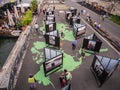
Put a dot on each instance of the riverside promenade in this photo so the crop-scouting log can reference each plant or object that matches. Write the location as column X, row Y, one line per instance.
column 82, row 77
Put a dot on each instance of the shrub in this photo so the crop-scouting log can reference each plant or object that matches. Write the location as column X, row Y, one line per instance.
column 34, row 5
column 27, row 18
column 115, row 19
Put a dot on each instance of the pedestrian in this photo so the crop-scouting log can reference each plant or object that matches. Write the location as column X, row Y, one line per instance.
column 62, row 32
column 44, row 11
column 32, row 81
column 68, row 76
column 104, row 16
column 74, row 44
column 53, row 8
column 62, row 79
column 99, row 26
column 36, row 27
column 83, row 53
column 81, row 11
column 78, row 14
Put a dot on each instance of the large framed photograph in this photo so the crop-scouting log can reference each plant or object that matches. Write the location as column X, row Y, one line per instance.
column 52, row 64
column 92, row 43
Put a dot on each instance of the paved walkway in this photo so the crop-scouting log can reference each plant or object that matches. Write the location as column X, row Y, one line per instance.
column 80, row 69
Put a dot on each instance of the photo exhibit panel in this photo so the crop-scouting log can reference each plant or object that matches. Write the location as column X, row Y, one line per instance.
column 81, row 30
column 53, row 63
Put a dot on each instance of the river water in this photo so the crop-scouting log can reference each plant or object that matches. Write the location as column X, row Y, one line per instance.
column 6, row 45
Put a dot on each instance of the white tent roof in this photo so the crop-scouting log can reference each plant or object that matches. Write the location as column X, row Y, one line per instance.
column 24, row 5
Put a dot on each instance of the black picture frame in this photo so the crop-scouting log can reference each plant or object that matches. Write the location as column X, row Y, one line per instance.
column 53, row 61
column 50, row 18
column 53, row 38
column 50, row 26
column 102, row 68
column 78, row 30
column 74, row 20
column 92, row 43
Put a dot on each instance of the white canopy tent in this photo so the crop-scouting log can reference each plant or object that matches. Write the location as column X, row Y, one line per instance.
column 26, row 5
column 10, row 18
column 16, row 12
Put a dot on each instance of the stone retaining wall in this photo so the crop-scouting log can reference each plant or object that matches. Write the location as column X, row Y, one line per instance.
column 9, row 69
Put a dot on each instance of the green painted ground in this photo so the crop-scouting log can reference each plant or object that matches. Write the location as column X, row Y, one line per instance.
column 68, row 61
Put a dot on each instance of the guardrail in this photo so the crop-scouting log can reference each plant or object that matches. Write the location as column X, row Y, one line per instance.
column 113, row 41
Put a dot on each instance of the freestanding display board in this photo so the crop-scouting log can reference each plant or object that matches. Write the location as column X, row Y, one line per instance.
column 49, row 12
column 53, row 38
column 50, row 18
column 73, row 11
column 53, row 61
column 50, row 26
column 74, row 19
column 78, row 30
column 67, row 15
column 92, row 43
column 102, row 68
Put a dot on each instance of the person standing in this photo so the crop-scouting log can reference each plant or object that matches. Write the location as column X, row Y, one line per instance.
column 36, row 26
column 68, row 76
column 32, row 81
column 83, row 53
column 62, row 80
column 62, row 32
column 74, row 44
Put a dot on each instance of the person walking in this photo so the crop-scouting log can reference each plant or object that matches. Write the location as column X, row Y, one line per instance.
column 65, row 78
column 62, row 32
column 83, row 53
column 32, row 82
column 62, row 79
column 36, row 26
column 74, row 44
column 68, row 76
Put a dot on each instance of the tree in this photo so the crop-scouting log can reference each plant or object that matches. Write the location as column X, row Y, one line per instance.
column 34, row 6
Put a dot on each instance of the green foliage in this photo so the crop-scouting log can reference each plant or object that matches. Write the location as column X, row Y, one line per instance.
column 115, row 19
column 19, row 23
column 27, row 18
column 34, row 5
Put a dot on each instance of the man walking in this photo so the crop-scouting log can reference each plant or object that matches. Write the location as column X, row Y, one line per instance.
column 74, row 44
column 36, row 26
